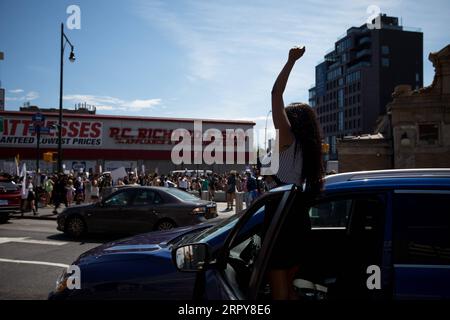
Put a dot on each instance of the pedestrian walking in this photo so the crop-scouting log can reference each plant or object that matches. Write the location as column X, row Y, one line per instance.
column 95, row 191
column 231, row 190
column 252, row 188
column 212, row 186
column 60, row 195
column 48, row 188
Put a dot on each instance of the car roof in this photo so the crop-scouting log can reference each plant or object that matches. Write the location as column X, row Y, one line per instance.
column 427, row 183
column 390, row 173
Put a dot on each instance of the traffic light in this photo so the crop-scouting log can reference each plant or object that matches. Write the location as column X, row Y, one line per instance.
column 325, row 148
column 50, row 156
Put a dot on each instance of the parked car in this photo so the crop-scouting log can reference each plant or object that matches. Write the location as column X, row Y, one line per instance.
column 9, row 198
column 132, row 210
column 400, row 224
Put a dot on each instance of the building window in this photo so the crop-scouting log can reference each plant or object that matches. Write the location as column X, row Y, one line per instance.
column 341, row 121
column 429, row 133
column 341, row 98
column 385, row 62
column 384, row 50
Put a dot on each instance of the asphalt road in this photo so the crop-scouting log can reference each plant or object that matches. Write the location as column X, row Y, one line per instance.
column 33, row 254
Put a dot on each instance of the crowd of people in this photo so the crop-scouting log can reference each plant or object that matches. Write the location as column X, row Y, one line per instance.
column 77, row 188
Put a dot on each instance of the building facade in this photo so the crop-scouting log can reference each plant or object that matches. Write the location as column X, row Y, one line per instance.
column 91, row 141
column 416, row 130
column 2, row 90
column 421, row 119
column 355, row 81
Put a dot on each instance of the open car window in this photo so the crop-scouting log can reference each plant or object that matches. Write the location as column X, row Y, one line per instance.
column 242, row 249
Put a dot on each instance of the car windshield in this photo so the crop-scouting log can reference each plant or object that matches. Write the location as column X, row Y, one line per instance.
column 8, row 186
column 182, row 195
column 225, row 227
column 186, row 237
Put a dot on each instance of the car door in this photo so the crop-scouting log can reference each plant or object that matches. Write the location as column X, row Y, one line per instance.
column 110, row 214
column 421, row 244
column 142, row 213
column 236, row 275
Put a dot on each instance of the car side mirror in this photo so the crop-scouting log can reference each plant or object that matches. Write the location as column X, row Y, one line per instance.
column 191, row 257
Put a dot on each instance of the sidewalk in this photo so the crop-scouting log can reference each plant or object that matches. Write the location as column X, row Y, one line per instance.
column 46, row 213
column 43, row 214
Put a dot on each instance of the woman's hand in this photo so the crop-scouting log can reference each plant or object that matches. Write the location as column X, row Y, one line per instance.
column 296, row 53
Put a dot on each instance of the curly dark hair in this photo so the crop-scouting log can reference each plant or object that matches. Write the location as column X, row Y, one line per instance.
column 307, row 134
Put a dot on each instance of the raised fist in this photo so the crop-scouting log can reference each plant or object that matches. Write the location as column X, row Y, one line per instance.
column 296, row 53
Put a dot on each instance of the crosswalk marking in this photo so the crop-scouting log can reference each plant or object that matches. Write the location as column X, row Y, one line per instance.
column 31, row 241
column 43, row 263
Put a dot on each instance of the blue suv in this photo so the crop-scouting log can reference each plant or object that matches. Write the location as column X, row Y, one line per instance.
column 371, row 238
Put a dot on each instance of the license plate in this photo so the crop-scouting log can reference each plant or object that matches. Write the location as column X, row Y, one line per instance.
column 212, row 210
column 3, row 202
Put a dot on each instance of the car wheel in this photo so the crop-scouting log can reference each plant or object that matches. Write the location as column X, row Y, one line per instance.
column 4, row 218
column 75, row 227
column 165, row 225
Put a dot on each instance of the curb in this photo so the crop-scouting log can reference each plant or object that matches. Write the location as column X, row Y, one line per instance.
column 45, row 217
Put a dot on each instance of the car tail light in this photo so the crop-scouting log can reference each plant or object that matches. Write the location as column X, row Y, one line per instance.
column 199, row 210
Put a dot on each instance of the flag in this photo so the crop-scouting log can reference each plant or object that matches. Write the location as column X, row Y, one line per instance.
column 17, row 161
column 23, row 174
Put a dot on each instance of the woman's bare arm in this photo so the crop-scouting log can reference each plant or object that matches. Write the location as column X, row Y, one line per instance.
column 280, row 119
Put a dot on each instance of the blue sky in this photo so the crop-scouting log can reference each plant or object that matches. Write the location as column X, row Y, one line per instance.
column 207, row 59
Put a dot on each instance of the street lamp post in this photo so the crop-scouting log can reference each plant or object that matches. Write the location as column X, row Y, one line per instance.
column 38, row 138
column 72, row 59
column 265, row 131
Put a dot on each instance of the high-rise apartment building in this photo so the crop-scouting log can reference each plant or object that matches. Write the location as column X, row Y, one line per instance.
column 355, row 81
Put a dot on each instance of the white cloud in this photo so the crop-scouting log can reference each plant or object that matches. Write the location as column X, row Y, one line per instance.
column 16, row 91
column 143, row 104
column 32, row 95
column 93, row 99
column 29, row 96
column 112, row 103
column 236, row 48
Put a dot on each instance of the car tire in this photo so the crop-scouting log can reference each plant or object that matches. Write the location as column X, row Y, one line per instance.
column 4, row 218
column 75, row 227
column 165, row 225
